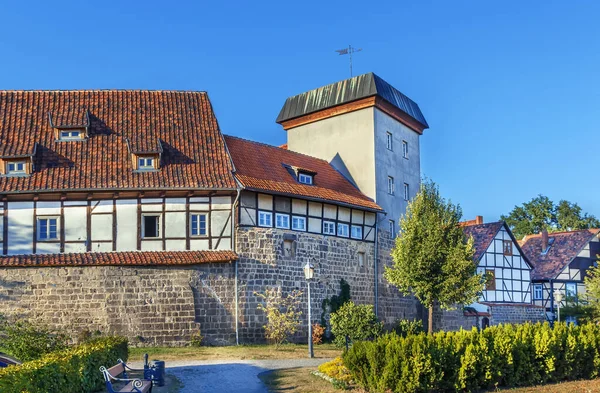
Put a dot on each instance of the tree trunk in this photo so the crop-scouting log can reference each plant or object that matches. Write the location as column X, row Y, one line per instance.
column 430, row 324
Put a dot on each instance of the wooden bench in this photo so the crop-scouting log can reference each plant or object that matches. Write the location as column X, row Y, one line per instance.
column 114, row 373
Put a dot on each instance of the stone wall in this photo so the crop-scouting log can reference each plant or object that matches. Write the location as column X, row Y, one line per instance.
column 150, row 305
column 266, row 261
column 518, row 313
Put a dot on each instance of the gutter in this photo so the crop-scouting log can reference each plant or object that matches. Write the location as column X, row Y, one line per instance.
column 234, row 246
column 376, row 270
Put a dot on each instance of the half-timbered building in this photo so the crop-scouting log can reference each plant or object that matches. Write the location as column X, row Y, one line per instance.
column 561, row 260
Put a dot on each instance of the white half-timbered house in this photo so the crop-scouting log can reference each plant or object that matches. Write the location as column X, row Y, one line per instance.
column 561, row 260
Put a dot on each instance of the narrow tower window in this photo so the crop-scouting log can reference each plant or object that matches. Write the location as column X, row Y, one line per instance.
column 391, row 185
column 389, row 141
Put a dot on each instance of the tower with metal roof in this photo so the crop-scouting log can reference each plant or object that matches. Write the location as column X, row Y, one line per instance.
column 369, row 131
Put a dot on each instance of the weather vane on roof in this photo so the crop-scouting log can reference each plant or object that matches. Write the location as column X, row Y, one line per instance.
column 349, row 51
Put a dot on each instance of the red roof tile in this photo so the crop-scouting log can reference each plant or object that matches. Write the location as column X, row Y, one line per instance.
column 133, row 258
column 564, row 249
column 263, row 167
column 483, row 235
column 193, row 151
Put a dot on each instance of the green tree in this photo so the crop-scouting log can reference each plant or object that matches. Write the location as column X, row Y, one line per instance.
column 283, row 313
column 541, row 213
column 592, row 293
column 432, row 257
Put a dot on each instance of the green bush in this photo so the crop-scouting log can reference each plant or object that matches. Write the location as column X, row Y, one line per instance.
column 468, row 361
column 357, row 322
column 27, row 341
column 73, row 370
column 404, row 327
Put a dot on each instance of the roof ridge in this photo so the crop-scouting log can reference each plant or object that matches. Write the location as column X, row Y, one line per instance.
column 562, row 232
column 279, row 148
column 101, row 90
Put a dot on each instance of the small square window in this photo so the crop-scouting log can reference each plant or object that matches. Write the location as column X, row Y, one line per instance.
column 145, row 163
column 356, row 232
column 299, row 223
column 405, row 149
column 391, row 187
column 150, row 226
column 406, row 192
column 47, row 228
column 389, row 141
column 537, row 292
column 571, row 289
column 342, row 230
column 305, row 179
column 329, row 227
column 15, row 167
column 392, row 228
column 265, row 219
column 198, row 223
column 282, row 221
column 507, row 247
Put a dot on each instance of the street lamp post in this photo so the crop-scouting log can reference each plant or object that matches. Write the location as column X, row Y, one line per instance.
column 309, row 272
column 558, row 298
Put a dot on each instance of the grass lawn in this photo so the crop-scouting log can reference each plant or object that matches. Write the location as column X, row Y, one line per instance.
column 300, row 380
column 286, row 351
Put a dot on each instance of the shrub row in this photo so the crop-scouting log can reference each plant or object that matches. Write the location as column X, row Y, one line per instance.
column 73, row 370
column 500, row 356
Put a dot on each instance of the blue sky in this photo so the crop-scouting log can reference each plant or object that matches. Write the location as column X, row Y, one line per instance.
column 511, row 89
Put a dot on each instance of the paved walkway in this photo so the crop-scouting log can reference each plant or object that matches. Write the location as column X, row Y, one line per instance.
column 231, row 376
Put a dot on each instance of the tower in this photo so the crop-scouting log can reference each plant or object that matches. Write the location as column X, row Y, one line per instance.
column 369, row 131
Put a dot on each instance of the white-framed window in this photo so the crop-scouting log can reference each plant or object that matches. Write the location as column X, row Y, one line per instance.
column 405, row 149
column 299, row 223
column 198, row 224
column 538, row 290
column 145, row 163
column 329, row 227
column 343, row 229
column 361, row 259
column 392, row 228
column 406, row 190
column 391, row 187
column 47, row 228
column 389, row 141
column 282, row 221
column 265, row 219
column 150, row 226
column 571, row 288
column 15, row 167
column 305, row 179
column 70, row 135
column 356, row 232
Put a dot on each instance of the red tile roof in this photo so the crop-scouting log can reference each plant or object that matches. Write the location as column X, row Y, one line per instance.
column 563, row 250
column 183, row 123
column 483, row 235
column 263, row 167
column 133, row 258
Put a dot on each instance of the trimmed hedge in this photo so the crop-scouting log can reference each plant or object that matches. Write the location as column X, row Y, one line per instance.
column 74, row 370
column 467, row 361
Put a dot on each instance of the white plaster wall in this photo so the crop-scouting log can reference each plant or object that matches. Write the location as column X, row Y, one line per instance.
column 199, row 244
column 392, row 163
column 126, row 224
column 102, row 227
column 20, row 228
column 346, row 141
column 220, row 225
column 175, row 224
column 75, row 223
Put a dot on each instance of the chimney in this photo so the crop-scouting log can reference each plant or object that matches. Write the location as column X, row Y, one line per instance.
column 544, row 240
column 478, row 220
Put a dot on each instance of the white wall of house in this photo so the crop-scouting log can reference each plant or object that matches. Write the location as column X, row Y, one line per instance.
column 512, row 275
column 115, row 225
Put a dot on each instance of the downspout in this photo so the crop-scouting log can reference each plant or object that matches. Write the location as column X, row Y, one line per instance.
column 551, row 299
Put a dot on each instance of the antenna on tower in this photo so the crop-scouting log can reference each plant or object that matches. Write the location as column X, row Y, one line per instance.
column 349, row 51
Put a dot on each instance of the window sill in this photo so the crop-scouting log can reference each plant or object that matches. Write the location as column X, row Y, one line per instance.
column 70, row 140
column 145, row 170
column 16, row 175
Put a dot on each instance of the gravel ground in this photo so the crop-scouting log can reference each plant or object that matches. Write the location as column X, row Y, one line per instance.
column 231, row 376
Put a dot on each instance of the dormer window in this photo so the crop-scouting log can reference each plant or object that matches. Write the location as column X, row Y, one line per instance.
column 145, row 163
column 16, row 168
column 305, row 178
column 71, row 135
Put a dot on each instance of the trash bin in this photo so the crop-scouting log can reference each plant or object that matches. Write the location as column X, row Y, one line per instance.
column 157, row 368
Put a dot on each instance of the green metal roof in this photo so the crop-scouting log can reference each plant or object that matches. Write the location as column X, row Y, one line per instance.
column 348, row 90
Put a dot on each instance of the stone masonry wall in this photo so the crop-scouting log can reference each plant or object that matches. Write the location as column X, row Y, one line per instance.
column 506, row 313
column 264, row 262
column 159, row 305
